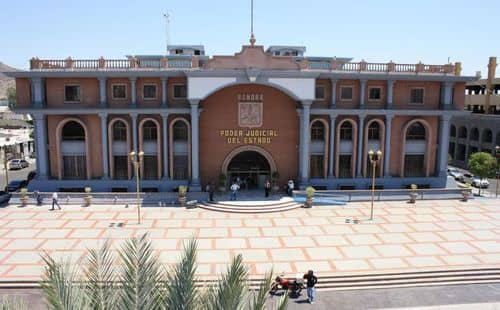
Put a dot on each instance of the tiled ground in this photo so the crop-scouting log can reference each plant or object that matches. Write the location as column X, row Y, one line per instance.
column 429, row 235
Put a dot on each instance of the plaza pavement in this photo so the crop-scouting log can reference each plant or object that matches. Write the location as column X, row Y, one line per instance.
column 430, row 235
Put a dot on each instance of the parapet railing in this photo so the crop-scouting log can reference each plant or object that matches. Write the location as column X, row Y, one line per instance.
column 166, row 63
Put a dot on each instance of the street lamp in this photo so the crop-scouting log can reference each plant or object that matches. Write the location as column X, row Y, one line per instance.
column 137, row 161
column 374, row 159
column 497, row 176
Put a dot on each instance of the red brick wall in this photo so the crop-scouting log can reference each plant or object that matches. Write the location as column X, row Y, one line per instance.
column 348, row 104
column 23, row 92
column 459, row 96
column 115, row 103
column 89, row 92
column 402, row 95
column 148, row 103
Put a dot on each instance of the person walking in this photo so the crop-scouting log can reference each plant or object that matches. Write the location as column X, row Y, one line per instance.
column 55, row 202
column 210, row 190
column 311, row 282
column 267, row 187
column 290, row 187
column 234, row 190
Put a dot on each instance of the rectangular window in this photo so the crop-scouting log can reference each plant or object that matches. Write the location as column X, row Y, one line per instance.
column 72, row 93
column 150, row 165
column 346, row 93
column 120, row 166
column 344, row 166
column 317, row 162
column 417, row 95
column 374, row 93
column 74, row 167
column 149, row 91
column 180, row 91
column 119, row 91
column 180, row 170
column 414, row 166
column 320, row 93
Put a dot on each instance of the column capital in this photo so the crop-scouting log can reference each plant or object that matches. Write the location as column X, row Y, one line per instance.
column 194, row 102
column 164, row 78
column 164, row 114
column 102, row 78
column 333, row 116
column 389, row 117
column 306, row 103
column 445, row 117
column 132, row 78
column 38, row 116
column 363, row 81
column 361, row 117
column 134, row 115
column 334, row 80
column 448, row 84
column 103, row 114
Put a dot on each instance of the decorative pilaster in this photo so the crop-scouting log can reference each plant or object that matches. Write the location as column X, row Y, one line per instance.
column 133, row 91
column 304, row 128
column 390, row 93
column 164, row 92
column 195, row 147
column 37, row 86
column 332, row 146
column 102, row 92
column 444, row 139
column 361, row 127
column 164, row 117
column 333, row 100
column 387, row 151
column 362, row 91
column 447, row 99
column 41, row 146
column 104, row 142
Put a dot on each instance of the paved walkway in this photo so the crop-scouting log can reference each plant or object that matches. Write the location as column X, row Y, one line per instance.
column 430, row 235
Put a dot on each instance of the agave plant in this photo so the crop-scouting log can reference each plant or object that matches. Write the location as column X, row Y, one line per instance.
column 135, row 279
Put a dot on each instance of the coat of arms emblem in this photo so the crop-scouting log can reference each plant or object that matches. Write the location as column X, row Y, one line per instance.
column 250, row 114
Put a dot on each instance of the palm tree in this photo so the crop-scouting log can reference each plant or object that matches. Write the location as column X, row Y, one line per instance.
column 135, row 279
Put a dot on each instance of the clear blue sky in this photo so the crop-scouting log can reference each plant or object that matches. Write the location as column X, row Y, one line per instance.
column 377, row 31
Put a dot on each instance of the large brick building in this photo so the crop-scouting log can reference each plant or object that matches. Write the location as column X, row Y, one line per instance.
column 244, row 115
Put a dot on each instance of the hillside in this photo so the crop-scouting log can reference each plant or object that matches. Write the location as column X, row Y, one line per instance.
column 5, row 82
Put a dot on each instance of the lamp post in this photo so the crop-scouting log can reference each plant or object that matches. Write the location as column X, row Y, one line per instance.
column 374, row 159
column 497, row 175
column 137, row 161
column 5, row 166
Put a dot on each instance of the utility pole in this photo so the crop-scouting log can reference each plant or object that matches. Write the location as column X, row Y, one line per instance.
column 167, row 25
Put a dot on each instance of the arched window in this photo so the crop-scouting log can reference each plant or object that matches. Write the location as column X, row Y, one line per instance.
column 487, row 136
column 374, row 131
column 474, row 134
column 318, row 131
column 462, row 133
column 453, row 131
column 415, row 132
column 73, row 131
column 180, row 131
column 119, row 131
column 149, row 131
column 346, row 131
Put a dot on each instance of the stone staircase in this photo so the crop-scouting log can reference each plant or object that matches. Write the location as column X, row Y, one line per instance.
column 265, row 206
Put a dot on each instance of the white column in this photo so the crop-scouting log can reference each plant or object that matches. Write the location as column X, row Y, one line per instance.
column 387, row 151
column 41, row 146
column 301, row 142
column 444, row 139
column 104, row 141
column 362, row 90
column 164, row 91
column 304, row 128
column 333, row 100
column 195, row 148
column 164, row 117
column 37, row 86
column 390, row 93
column 133, row 91
column 102, row 91
column 360, row 144
column 331, row 162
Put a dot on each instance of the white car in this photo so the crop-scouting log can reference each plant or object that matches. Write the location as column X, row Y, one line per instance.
column 475, row 180
column 455, row 173
column 18, row 164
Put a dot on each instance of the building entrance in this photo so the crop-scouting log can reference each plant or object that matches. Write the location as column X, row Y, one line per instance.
column 250, row 168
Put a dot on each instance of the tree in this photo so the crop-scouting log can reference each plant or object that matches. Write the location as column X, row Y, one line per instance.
column 134, row 279
column 11, row 96
column 483, row 165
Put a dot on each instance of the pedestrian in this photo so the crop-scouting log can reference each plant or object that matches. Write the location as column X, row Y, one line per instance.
column 39, row 198
column 234, row 190
column 290, row 187
column 55, row 202
column 311, row 282
column 210, row 190
column 267, row 187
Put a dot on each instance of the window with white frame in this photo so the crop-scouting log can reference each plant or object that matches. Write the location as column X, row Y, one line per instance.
column 346, row 93
column 149, row 91
column 72, row 93
column 374, row 93
column 180, row 91
column 417, row 95
column 119, row 91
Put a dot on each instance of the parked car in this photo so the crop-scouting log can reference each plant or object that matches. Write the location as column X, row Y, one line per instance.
column 18, row 164
column 16, row 185
column 4, row 197
column 474, row 180
column 454, row 172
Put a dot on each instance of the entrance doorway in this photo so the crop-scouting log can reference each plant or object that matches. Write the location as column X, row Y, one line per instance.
column 249, row 167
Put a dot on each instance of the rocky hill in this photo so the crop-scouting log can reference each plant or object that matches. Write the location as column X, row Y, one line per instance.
column 5, row 81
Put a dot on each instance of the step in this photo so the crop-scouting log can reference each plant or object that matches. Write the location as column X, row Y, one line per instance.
column 249, row 209
column 254, row 207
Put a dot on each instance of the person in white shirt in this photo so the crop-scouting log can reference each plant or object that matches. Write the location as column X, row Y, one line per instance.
column 290, row 187
column 234, row 190
column 55, row 202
